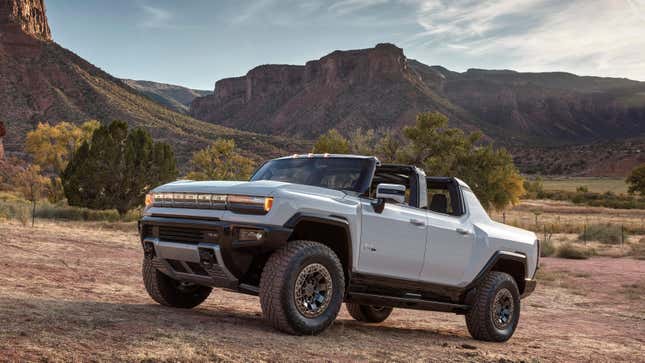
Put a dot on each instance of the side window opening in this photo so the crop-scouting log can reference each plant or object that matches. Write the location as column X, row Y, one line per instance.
column 395, row 175
column 443, row 196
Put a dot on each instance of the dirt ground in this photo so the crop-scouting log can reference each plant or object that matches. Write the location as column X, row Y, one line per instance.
column 73, row 292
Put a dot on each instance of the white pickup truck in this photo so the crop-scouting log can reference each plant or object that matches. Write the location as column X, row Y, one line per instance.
column 309, row 232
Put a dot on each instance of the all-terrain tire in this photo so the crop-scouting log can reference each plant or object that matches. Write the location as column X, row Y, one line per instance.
column 482, row 315
column 169, row 292
column 368, row 313
column 278, row 287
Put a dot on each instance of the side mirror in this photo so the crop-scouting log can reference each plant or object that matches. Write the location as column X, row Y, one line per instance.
column 394, row 192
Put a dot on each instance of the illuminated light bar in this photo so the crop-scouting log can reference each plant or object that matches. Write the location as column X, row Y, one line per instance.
column 236, row 203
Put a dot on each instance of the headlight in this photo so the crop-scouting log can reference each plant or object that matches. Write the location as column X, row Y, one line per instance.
column 249, row 234
column 249, row 204
column 150, row 199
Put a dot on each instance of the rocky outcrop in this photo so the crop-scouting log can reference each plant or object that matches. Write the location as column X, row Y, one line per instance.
column 27, row 16
column 369, row 88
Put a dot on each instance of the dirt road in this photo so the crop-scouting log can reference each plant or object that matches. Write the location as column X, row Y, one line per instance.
column 74, row 292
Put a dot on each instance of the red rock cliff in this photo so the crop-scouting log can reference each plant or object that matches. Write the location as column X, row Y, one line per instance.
column 281, row 98
column 25, row 15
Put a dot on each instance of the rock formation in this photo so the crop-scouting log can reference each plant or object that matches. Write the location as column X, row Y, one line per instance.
column 27, row 16
column 370, row 88
column 379, row 87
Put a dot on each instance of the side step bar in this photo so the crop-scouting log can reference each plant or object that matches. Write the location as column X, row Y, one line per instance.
column 406, row 302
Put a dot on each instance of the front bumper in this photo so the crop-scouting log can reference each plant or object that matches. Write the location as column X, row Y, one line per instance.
column 529, row 287
column 207, row 252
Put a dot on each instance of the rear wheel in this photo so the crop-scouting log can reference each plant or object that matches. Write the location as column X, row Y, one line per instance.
column 368, row 313
column 496, row 309
column 170, row 292
column 302, row 288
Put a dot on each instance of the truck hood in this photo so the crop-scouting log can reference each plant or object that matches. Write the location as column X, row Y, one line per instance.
column 260, row 188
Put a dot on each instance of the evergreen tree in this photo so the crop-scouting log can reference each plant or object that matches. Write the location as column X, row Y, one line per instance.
column 117, row 168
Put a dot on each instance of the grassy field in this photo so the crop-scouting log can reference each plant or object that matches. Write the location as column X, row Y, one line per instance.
column 596, row 185
column 74, row 293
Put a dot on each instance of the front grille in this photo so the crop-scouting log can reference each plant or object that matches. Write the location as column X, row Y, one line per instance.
column 146, row 230
column 178, row 234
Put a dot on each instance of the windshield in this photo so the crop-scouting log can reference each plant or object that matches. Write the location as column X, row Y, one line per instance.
column 346, row 174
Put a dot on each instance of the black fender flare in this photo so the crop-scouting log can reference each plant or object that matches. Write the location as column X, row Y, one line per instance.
column 493, row 260
column 330, row 219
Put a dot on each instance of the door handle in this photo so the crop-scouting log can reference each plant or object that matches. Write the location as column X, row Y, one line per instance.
column 462, row 231
column 417, row 222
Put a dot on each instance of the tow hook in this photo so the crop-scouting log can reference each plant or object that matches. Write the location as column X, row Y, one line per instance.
column 207, row 257
column 148, row 250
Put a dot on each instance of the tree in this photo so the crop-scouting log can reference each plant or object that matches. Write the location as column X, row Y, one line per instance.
column 388, row 147
column 331, row 142
column 363, row 142
column 636, row 181
column 442, row 150
column 51, row 147
column 220, row 161
column 117, row 169
column 32, row 186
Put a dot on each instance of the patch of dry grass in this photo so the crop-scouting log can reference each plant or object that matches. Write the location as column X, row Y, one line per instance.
column 596, row 185
column 573, row 251
column 638, row 249
column 635, row 291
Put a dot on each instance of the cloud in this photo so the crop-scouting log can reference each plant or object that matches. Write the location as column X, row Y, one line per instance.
column 251, row 10
column 604, row 37
column 155, row 17
column 345, row 7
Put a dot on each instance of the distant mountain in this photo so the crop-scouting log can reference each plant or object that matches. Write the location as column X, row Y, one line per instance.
column 379, row 87
column 370, row 88
column 175, row 97
column 543, row 108
column 43, row 82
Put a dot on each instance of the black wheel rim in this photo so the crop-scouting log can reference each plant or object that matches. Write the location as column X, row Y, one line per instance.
column 185, row 287
column 313, row 290
column 502, row 309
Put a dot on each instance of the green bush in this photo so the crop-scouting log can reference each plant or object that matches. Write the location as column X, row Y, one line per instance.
column 603, row 232
column 571, row 251
column 547, row 248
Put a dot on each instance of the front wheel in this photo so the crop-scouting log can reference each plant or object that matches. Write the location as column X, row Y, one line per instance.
column 368, row 313
column 302, row 288
column 170, row 292
column 496, row 310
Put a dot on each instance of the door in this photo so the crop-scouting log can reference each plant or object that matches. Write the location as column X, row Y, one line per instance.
column 393, row 242
column 451, row 241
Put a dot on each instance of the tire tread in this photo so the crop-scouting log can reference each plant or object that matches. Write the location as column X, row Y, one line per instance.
column 274, row 276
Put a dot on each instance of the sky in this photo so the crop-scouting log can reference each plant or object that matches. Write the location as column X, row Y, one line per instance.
column 197, row 42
